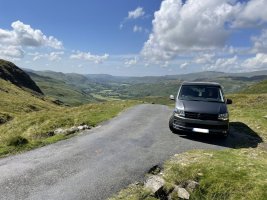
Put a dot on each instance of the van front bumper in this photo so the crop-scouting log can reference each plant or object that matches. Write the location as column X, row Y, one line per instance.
column 201, row 126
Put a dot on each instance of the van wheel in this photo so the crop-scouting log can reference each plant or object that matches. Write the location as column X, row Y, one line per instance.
column 171, row 124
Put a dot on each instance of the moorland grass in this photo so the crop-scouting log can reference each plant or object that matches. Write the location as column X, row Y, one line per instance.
column 32, row 118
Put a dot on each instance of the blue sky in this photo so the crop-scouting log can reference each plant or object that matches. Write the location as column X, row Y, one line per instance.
column 135, row 37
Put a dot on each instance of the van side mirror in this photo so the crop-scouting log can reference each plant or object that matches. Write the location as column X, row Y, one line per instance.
column 229, row 101
column 172, row 97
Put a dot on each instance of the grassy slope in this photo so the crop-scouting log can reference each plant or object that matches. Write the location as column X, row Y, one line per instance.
column 250, row 109
column 59, row 89
column 33, row 118
column 227, row 174
column 258, row 88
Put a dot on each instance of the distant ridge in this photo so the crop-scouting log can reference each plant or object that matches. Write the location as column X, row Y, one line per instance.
column 10, row 72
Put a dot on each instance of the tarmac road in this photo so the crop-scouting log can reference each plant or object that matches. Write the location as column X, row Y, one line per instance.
column 99, row 162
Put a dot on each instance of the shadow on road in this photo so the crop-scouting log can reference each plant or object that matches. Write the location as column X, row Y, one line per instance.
column 241, row 136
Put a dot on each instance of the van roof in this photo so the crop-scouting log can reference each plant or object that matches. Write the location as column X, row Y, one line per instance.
column 202, row 83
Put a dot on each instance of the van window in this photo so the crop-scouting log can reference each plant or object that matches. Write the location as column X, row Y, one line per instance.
column 201, row 93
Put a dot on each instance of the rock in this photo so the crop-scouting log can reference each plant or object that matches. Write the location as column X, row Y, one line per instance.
column 182, row 193
column 154, row 183
column 86, row 127
column 191, row 185
column 81, row 128
column 59, row 131
column 72, row 130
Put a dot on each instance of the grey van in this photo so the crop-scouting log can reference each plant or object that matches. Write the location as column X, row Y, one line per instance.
column 200, row 108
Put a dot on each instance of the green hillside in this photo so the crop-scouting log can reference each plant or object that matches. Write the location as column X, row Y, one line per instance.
column 28, row 118
column 14, row 100
column 10, row 72
column 258, row 88
column 25, row 116
column 57, row 88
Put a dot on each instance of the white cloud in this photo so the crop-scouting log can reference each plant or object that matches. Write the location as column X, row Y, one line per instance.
column 184, row 65
column 204, row 58
column 9, row 52
column 131, row 62
column 134, row 14
column 193, row 26
column 211, row 62
column 255, row 63
column 89, row 57
column 52, row 56
column 137, row 29
column 260, row 43
column 24, row 35
column 165, row 64
column 226, row 62
column 253, row 13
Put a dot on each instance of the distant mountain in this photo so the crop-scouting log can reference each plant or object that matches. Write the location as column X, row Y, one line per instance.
column 249, row 74
column 76, row 89
column 10, row 72
column 100, row 78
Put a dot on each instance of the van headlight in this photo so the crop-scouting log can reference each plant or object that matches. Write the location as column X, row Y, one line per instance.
column 223, row 116
column 178, row 112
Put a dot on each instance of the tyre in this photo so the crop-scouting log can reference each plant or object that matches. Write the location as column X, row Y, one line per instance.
column 171, row 124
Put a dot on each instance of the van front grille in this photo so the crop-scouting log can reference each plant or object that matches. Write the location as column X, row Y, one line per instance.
column 202, row 116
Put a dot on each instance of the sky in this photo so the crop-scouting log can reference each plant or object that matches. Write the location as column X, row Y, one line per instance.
column 135, row 37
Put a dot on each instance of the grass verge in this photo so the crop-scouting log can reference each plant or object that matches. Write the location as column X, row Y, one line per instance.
column 250, row 109
column 31, row 130
column 225, row 174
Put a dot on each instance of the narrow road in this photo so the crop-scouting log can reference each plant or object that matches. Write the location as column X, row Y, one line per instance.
column 98, row 162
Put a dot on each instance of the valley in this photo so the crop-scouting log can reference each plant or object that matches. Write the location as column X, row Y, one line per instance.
column 36, row 109
column 76, row 89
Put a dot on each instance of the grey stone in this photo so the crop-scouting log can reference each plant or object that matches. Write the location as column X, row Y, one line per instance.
column 154, row 183
column 86, row 127
column 182, row 193
column 72, row 130
column 191, row 185
column 81, row 128
column 59, row 131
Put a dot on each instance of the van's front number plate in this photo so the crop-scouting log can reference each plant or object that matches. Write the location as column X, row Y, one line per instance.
column 201, row 130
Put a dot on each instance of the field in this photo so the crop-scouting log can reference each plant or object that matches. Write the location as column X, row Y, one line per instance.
column 27, row 120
